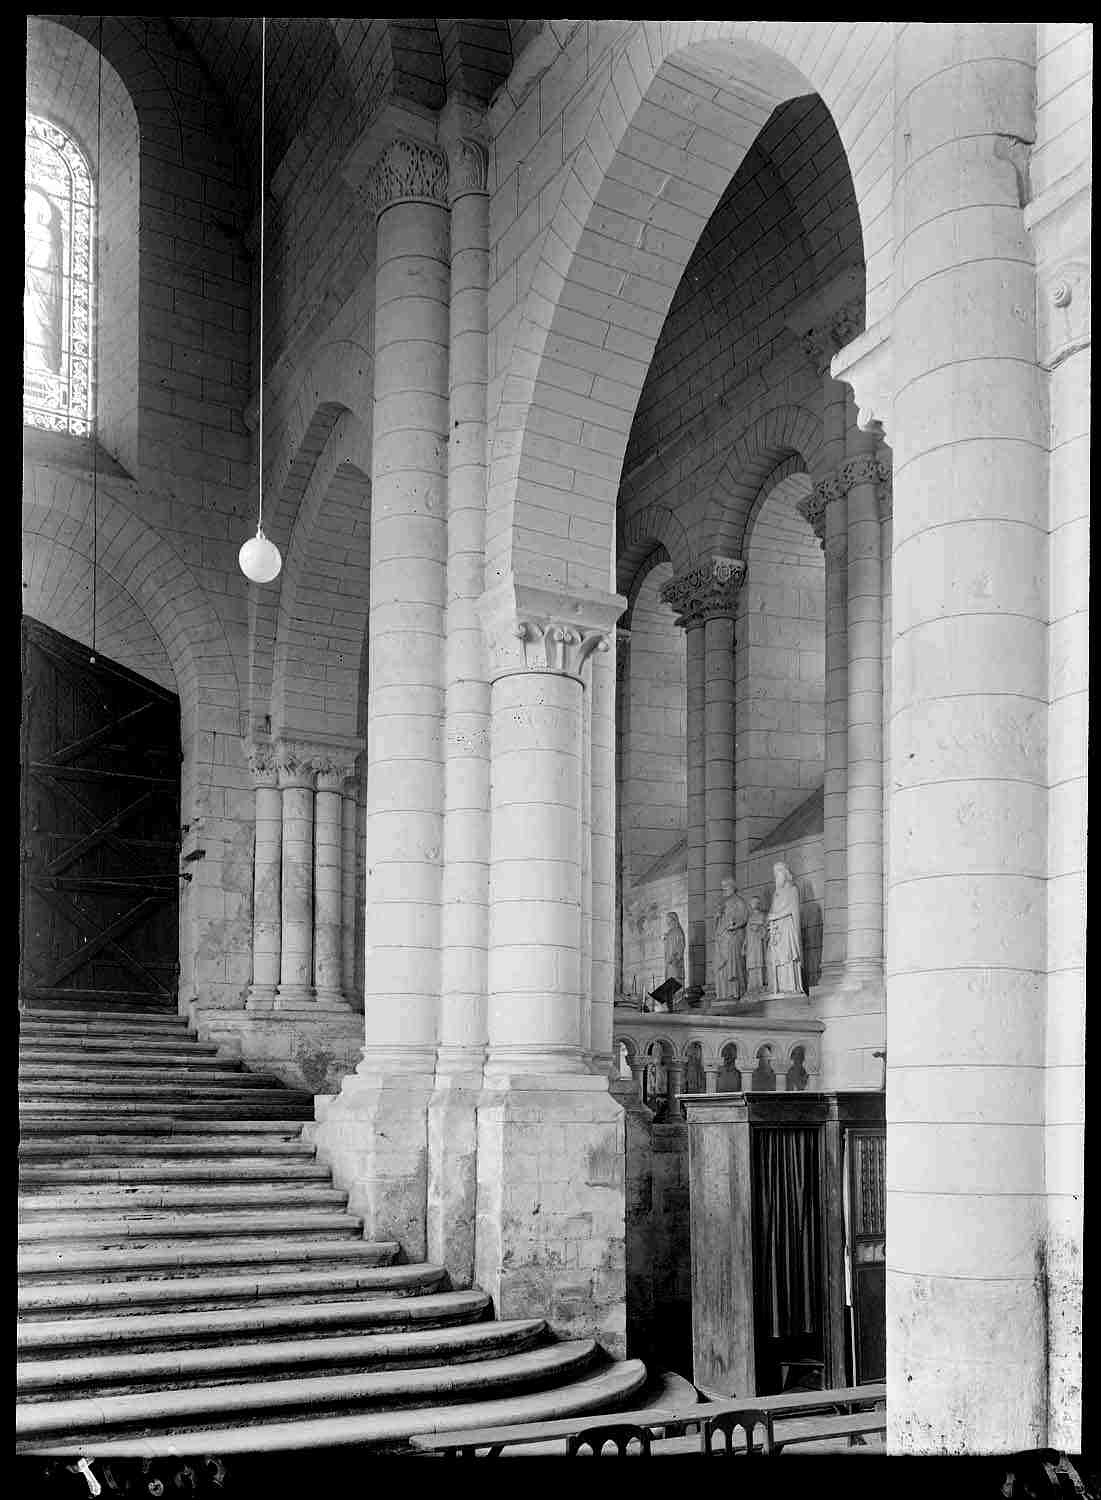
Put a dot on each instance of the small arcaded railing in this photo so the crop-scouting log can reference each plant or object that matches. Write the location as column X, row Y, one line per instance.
column 672, row 1053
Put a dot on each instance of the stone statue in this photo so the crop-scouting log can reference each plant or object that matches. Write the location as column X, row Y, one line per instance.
column 785, row 940
column 730, row 923
column 674, row 947
column 756, row 933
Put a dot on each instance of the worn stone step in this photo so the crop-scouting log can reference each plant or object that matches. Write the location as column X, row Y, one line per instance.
column 213, row 1076
column 417, row 1302
column 216, row 1111
column 226, row 1288
column 125, row 1150
column 127, row 1064
column 257, row 1086
column 224, row 1405
column 78, row 1045
column 145, row 1198
column 162, row 1134
column 118, row 1171
column 161, row 1369
column 153, row 1226
column 605, row 1391
column 99, row 1015
column 183, row 1257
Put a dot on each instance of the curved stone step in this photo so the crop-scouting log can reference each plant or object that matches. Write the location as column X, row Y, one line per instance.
column 79, row 1047
column 207, row 1074
column 602, row 1392
column 152, row 1226
column 198, row 1138
column 141, row 1331
column 164, row 1170
column 222, row 1405
column 47, row 1302
column 179, row 1368
column 146, row 1112
column 192, row 1257
column 100, row 1200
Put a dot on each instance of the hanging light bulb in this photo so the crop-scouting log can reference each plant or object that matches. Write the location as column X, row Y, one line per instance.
column 259, row 559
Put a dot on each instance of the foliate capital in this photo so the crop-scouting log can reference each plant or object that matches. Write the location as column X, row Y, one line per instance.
column 706, row 592
column 813, row 511
column 865, row 468
column 467, row 167
column 532, row 628
column 830, row 336
column 407, row 171
column 260, row 755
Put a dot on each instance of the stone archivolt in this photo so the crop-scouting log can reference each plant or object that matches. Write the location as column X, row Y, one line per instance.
column 706, row 591
column 407, row 172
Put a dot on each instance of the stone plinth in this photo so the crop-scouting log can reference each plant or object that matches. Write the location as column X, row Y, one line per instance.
column 314, row 1047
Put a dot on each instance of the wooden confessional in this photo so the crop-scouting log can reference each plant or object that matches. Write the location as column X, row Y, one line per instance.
column 788, row 1240
column 99, row 830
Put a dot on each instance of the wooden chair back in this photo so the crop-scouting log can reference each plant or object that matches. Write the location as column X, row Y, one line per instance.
column 620, row 1434
column 756, row 1426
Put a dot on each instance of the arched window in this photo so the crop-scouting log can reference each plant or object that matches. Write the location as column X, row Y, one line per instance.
column 57, row 282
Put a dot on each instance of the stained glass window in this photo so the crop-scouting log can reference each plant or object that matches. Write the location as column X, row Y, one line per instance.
column 57, row 282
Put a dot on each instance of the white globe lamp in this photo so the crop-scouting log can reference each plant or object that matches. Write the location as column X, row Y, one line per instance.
column 259, row 559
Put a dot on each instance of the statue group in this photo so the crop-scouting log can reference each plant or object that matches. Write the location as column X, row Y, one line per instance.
column 759, row 953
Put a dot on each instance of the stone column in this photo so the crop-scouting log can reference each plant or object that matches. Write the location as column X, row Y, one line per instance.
column 350, row 980
column 603, row 856
column 452, row 1126
column 296, row 785
column 711, row 1077
column 968, row 891
column 266, row 878
column 705, row 600
column 622, row 709
column 1059, row 223
column 885, row 544
column 861, row 476
column 549, row 1131
column 375, row 1134
column 328, row 969
column 674, row 1110
column 696, row 954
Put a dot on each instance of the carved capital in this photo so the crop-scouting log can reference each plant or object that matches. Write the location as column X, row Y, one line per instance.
column 294, row 770
column 622, row 649
column 864, row 468
column 303, row 762
column 813, row 511
column 260, row 755
column 530, row 628
column 407, row 171
column 830, row 336
column 330, row 774
column 467, row 167
column 705, row 592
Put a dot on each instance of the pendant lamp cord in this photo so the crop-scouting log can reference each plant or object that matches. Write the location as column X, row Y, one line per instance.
column 95, row 444
column 260, row 355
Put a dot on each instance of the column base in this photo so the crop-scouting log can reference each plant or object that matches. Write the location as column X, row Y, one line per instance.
column 260, row 997
column 294, row 996
column 550, row 1237
column 374, row 1137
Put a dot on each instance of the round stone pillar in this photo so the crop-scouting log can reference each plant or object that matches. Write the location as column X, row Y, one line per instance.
column 549, row 1130
column 966, row 1315
column 452, row 1110
column 350, row 981
column 296, row 786
column 862, row 475
column 674, row 1073
column 408, row 562
column 266, row 878
column 622, row 709
column 831, row 515
column 704, row 601
column 602, row 845
column 328, row 901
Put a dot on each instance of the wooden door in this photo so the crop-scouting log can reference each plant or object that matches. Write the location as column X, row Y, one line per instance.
column 867, row 1153
column 99, row 830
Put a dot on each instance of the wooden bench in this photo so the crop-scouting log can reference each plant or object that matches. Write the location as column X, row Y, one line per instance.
column 799, row 1407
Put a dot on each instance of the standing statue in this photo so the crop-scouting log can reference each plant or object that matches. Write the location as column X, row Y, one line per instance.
column 785, row 940
column 756, row 933
column 674, row 947
column 730, row 923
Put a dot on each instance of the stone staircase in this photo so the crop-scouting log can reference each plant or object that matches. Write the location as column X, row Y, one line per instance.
column 191, row 1282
